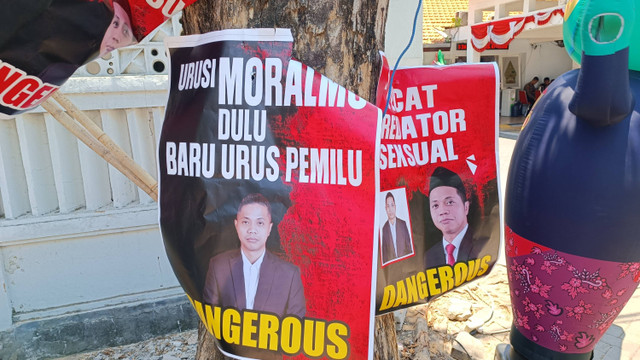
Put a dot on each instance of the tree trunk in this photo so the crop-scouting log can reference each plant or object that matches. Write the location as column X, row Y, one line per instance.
column 338, row 38
column 207, row 349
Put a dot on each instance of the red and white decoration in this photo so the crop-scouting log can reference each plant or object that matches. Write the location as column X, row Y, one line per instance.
column 501, row 32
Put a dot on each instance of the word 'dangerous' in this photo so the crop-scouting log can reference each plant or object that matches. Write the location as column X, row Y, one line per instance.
column 21, row 91
column 290, row 335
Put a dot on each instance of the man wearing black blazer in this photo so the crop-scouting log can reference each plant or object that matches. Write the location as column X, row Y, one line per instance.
column 449, row 207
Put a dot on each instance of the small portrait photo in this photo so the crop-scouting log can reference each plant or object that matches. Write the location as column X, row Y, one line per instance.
column 396, row 242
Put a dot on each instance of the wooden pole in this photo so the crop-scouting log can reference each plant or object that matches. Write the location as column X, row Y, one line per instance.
column 151, row 185
column 92, row 136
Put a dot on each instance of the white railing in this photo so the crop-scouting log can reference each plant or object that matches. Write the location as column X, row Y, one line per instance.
column 44, row 170
column 75, row 234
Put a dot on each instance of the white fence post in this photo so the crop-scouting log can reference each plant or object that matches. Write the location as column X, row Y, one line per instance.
column 95, row 173
column 66, row 166
column 13, row 185
column 114, row 124
column 36, row 159
column 141, row 130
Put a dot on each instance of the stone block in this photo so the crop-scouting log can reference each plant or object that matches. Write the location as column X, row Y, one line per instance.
column 459, row 310
column 466, row 347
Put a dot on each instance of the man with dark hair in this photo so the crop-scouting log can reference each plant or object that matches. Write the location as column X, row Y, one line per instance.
column 252, row 277
column 545, row 84
column 530, row 89
column 530, row 92
column 396, row 242
column 449, row 208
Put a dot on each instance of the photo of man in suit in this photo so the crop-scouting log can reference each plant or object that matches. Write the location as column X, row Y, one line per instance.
column 449, row 207
column 396, row 242
column 252, row 277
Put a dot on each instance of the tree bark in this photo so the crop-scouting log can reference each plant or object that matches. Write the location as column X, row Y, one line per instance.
column 385, row 344
column 207, row 349
column 338, row 38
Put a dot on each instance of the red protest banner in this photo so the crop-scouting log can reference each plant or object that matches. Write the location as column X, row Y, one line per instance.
column 439, row 214
column 43, row 43
column 267, row 197
column 146, row 15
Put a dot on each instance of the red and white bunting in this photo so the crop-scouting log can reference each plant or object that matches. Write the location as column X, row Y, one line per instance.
column 501, row 32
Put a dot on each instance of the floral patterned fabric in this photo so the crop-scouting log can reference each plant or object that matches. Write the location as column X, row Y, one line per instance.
column 565, row 302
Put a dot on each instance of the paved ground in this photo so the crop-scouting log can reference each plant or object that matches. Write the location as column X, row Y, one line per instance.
column 180, row 346
column 429, row 332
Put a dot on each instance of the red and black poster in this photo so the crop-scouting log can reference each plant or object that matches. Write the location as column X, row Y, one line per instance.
column 438, row 203
column 42, row 43
column 267, row 197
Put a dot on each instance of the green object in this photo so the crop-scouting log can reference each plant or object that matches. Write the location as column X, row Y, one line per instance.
column 602, row 28
column 440, row 58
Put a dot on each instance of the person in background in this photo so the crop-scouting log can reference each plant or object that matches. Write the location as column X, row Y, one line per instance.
column 545, row 84
column 530, row 91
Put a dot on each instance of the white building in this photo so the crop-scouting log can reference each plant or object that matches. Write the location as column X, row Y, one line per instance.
column 524, row 37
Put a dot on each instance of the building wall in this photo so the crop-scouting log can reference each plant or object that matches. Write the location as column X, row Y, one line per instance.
column 398, row 33
column 58, row 265
column 76, row 233
column 545, row 60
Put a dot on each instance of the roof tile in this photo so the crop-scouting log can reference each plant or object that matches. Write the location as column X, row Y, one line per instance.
column 439, row 14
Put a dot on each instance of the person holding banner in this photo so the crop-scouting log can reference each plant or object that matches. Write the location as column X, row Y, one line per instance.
column 449, row 208
column 396, row 242
column 252, row 277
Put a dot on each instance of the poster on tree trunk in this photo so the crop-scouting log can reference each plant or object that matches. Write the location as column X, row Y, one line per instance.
column 42, row 43
column 268, row 197
column 438, row 202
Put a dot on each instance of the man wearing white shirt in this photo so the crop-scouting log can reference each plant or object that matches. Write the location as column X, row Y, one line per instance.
column 396, row 242
column 449, row 207
column 253, row 278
